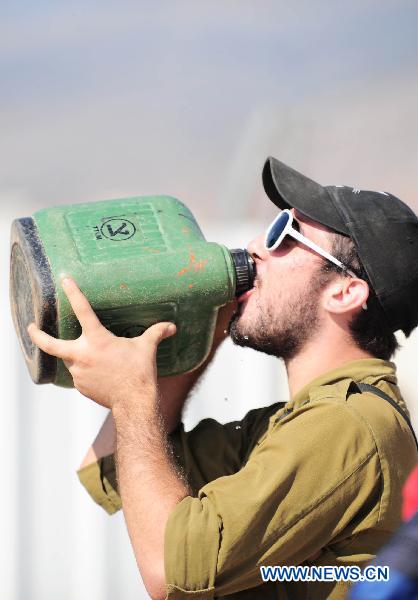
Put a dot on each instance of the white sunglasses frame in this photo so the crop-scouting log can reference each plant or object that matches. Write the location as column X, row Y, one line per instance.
column 289, row 230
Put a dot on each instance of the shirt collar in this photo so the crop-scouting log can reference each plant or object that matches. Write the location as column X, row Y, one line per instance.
column 365, row 370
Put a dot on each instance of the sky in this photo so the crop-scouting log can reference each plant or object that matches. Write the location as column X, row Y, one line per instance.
column 111, row 99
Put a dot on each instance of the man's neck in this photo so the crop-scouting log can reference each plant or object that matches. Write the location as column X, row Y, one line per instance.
column 315, row 360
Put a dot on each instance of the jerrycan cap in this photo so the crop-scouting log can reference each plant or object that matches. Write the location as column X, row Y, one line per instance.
column 244, row 270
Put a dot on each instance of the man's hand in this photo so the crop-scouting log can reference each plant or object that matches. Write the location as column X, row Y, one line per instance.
column 105, row 368
column 173, row 392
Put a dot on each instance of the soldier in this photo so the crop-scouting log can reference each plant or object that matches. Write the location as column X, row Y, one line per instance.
column 313, row 481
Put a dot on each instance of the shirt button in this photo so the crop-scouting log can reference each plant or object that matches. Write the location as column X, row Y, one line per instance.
column 286, row 412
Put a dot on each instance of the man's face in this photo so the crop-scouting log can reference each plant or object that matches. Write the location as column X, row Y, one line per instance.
column 283, row 311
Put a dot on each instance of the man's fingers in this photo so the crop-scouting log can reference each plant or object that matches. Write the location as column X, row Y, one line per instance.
column 49, row 344
column 81, row 306
column 158, row 332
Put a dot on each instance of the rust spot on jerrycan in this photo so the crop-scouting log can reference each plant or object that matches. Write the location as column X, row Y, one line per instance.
column 193, row 265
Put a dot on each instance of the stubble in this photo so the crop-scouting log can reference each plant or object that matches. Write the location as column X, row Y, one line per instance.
column 281, row 333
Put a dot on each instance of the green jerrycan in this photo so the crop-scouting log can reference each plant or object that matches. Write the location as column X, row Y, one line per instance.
column 139, row 261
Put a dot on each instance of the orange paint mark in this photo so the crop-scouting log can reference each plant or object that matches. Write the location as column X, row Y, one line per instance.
column 196, row 266
column 190, row 285
column 200, row 265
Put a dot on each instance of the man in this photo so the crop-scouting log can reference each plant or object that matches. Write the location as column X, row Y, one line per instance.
column 315, row 481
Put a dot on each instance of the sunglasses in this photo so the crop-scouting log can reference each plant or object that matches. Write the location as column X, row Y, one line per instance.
column 282, row 226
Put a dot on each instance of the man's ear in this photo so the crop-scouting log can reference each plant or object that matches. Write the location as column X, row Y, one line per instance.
column 346, row 295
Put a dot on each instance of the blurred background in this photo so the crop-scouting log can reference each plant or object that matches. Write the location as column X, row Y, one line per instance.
column 108, row 99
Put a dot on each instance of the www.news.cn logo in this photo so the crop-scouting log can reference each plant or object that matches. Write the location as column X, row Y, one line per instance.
column 324, row 573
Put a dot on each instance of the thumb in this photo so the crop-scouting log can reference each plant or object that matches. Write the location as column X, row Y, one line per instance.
column 158, row 332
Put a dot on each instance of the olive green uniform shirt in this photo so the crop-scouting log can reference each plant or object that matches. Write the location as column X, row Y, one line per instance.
column 315, row 481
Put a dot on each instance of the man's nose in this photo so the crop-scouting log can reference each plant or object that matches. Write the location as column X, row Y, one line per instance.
column 257, row 248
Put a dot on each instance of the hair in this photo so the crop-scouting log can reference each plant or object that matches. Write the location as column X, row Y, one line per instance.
column 368, row 328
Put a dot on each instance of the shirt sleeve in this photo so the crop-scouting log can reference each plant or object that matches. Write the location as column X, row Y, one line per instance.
column 99, row 479
column 302, row 485
column 207, row 452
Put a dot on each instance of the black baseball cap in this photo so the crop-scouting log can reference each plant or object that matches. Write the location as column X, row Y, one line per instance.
column 382, row 227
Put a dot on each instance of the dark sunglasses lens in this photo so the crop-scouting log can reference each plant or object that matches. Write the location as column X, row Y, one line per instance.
column 277, row 228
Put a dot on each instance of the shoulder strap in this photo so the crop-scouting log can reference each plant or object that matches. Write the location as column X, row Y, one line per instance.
column 366, row 387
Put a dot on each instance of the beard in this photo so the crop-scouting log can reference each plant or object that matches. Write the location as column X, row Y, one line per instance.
column 282, row 334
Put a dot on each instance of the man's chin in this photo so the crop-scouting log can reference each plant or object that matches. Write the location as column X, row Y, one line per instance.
column 235, row 330
column 257, row 338
column 240, row 334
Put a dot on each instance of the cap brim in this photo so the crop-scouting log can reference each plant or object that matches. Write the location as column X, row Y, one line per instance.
column 288, row 188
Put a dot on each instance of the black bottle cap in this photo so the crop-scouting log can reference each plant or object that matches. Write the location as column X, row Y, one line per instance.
column 244, row 269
